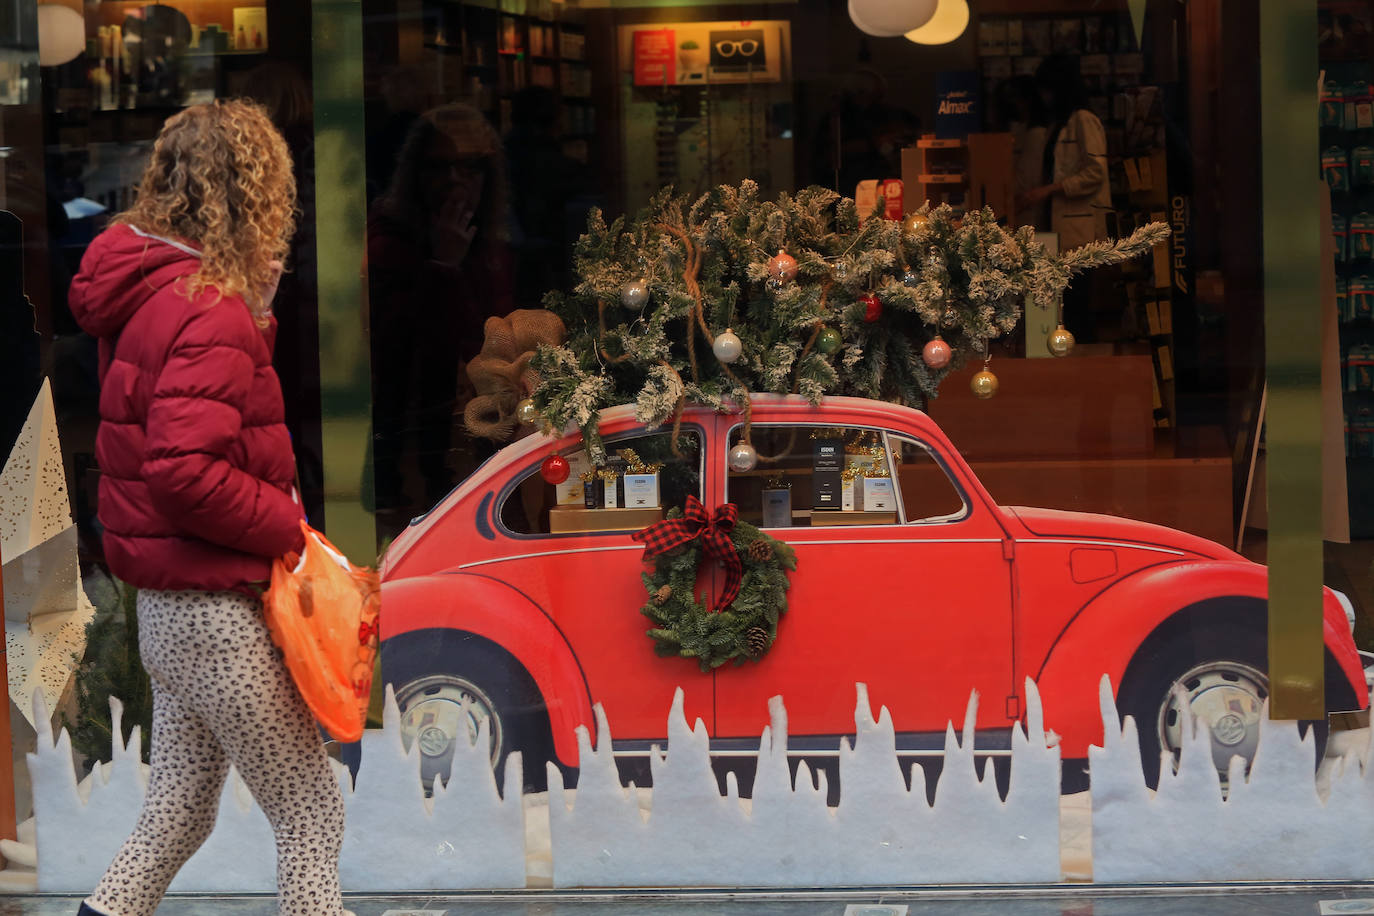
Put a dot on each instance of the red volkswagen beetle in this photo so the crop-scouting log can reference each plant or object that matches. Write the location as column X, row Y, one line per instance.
column 513, row 602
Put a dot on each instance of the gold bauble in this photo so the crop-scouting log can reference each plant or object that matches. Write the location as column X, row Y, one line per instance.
column 526, row 412
column 984, row 385
column 913, row 222
column 1060, row 341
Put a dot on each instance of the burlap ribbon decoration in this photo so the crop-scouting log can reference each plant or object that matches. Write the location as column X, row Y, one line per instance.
column 501, row 373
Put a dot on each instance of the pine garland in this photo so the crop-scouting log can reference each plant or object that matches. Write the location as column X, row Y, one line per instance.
column 705, row 264
column 683, row 626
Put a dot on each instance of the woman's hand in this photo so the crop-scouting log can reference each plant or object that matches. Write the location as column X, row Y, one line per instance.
column 1035, row 195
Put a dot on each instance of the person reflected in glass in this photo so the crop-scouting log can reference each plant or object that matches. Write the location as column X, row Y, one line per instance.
column 1075, row 183
column 439, row 264
column 1022, row 113
column 196, row 500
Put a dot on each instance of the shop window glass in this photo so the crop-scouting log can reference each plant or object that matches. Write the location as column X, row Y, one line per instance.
column 926, row 493
column 665, row 480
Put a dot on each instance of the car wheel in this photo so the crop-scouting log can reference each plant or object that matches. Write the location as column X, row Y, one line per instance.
column 1219, row 677
column 447, row 683
column 1217, row 674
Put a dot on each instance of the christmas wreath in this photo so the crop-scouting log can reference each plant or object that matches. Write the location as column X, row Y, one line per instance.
column 743, row 622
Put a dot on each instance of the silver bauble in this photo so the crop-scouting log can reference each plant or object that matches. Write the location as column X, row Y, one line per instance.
column 743, row 457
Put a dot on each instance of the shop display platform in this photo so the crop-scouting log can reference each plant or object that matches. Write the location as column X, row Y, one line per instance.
column 1241, row 900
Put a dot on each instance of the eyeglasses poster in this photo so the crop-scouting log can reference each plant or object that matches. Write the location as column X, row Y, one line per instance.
column 701, row 53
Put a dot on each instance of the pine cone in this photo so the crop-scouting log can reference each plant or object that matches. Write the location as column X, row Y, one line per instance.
column 663, row 594
column 756, row 641
column 760, row 551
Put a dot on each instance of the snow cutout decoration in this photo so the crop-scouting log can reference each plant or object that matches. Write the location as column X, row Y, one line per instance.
column 466, row 836
column 882, row 833
column 1272, row 826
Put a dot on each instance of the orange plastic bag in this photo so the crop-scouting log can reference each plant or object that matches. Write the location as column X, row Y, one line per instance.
column 322, row 612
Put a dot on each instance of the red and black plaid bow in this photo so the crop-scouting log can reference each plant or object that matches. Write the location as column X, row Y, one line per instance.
column 714, row 532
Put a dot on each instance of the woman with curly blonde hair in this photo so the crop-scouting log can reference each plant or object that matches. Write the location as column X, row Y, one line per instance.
column 196, row 500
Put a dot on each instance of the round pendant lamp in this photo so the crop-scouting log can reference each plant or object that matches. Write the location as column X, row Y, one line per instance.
column 61, row 34
column 889, row 18
column 948, row 23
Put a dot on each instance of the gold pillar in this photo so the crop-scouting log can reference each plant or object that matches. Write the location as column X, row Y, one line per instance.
column 1292, row 328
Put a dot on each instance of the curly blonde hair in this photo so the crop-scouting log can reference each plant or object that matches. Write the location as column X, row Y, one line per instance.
column 220, row 178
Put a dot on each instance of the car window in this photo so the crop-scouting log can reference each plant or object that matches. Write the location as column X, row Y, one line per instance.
column 812, row 476
column 924, row 488
column 642, row 478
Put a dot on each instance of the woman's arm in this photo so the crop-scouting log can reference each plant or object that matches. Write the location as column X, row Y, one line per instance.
column 194, row 420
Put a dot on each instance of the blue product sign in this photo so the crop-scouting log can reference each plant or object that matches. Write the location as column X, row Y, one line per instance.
column 958, row 112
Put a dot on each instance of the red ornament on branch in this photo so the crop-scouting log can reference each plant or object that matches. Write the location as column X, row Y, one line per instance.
column 555, row 469
column 873, row 307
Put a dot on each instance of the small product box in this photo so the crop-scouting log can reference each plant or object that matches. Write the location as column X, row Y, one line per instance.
column 777, row 506
column 591, row 489
column 569, row 492
column 827, row 468
column 878, row 495
column 611, row 483
column 851, row 490
column 641, row 491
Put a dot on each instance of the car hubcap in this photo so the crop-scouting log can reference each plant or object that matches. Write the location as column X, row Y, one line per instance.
column 435, row 711
column 1227, row 698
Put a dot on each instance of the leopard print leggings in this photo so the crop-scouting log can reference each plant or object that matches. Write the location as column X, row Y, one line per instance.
column 221, row 695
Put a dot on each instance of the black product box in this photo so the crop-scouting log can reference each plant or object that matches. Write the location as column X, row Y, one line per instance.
column 826, row 489
column 828, row 455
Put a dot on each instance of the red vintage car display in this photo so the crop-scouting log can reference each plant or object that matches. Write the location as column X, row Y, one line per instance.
column 503, row 604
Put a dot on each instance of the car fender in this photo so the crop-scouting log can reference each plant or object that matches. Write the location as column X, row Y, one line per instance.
column 1105, row 634
column 495, row 610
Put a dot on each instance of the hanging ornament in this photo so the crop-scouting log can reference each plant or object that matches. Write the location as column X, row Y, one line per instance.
column 910, row 279
column 782, row 267
column 727, row 346
column 936, row 353
column 554, row 469
column 984, row 384
column 873, row 307
column 829, row 341
column 526, row 412
column 743, row 457
column 635, row 294
column 1060, row 342
column 913, row 223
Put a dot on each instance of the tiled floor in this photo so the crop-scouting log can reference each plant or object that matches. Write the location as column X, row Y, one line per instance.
column 1199, row 901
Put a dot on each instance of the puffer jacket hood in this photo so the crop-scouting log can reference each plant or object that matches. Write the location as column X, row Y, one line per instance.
column 121, row 270
column 195, row 460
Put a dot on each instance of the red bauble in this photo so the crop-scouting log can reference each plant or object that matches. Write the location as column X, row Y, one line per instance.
column 555, row 469
column 937, row 353
column 873, row 307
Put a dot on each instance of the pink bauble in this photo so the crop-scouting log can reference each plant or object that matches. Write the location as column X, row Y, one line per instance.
column 782, row 266
column 555, row 469
column 937, row 354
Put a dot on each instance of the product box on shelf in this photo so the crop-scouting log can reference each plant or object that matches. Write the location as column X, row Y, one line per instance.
column 827, row 467
column 569, row 492
column 777, row 507
column 641, row 491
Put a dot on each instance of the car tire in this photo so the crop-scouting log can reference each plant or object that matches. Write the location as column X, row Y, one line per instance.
column 1222, row 671
column 434, row 672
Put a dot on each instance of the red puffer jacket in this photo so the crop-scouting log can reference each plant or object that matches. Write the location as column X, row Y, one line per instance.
column 196, row 463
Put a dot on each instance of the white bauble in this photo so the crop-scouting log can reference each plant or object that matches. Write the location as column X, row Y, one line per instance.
column 727, row 346
column 890, row 18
